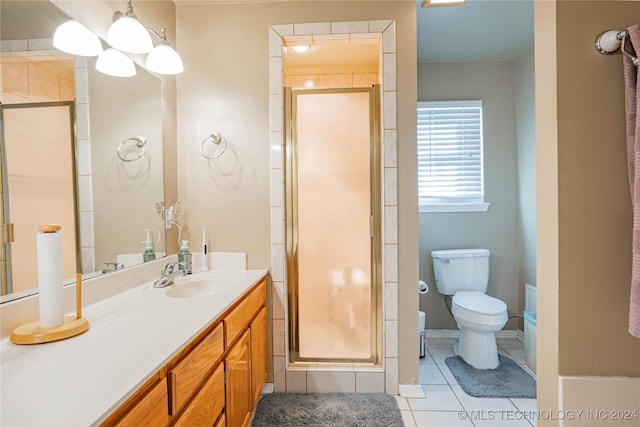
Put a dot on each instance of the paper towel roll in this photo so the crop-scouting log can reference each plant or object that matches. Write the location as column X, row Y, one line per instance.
column 49, row 251
column 422, row 287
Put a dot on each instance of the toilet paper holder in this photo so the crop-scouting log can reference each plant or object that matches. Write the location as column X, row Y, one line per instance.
column 33, row 333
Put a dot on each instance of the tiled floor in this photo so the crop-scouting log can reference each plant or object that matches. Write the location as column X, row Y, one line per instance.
column 447, row 404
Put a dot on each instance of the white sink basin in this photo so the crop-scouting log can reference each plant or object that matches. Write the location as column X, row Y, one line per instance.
column 188, row 287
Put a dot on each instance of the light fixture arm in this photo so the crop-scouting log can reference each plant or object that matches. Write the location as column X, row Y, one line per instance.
column 162, row 37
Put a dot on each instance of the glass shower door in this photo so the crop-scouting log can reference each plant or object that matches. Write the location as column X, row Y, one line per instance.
column 331, row 212
column 38, row 186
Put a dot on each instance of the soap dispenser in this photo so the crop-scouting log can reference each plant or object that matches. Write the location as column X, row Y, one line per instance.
column 149, row 254
column 184, row 257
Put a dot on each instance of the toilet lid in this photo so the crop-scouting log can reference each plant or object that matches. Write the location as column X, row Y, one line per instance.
column 479, row 303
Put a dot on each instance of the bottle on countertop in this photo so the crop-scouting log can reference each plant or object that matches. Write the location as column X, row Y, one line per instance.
column 149, row 254
column 204, row 265
column 184, row 257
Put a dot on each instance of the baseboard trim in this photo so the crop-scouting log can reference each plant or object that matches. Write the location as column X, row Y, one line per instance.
column 411, row 391
column 455, row 333
column 267, row 388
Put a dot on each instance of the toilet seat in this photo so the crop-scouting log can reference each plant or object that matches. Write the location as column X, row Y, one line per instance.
column 479, row 308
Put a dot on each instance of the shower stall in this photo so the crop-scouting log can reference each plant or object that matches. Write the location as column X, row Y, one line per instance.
column 333, row 224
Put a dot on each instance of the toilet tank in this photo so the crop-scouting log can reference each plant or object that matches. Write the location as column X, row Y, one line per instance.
column 458, row 270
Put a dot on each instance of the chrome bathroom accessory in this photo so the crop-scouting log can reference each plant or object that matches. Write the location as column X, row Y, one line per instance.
column 115, row 266
column 139, row 144
column 611, row 40
column 169, row 273
column 219, row 143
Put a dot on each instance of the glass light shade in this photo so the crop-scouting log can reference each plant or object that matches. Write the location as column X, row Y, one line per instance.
column 115, row 63
column 74, row 38
column 163, row 59
column 129, row 35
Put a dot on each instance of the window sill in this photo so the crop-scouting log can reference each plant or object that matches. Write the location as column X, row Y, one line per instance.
column 455, row 207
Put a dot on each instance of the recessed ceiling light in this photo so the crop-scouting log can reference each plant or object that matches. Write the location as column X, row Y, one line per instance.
column 300, row 48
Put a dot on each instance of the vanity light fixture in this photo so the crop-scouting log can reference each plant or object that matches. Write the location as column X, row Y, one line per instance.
column 430, row 3
column 115, row 63
column 163, row 59
column 74, row 38
column 127, row 34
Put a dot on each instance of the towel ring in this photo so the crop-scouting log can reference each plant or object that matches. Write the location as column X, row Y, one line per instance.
column 140, row 142
column 217, row 140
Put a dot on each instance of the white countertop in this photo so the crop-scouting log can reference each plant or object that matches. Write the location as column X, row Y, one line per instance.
column 81, row 380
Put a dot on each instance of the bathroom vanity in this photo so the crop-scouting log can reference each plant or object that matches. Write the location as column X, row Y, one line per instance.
column 151, row 356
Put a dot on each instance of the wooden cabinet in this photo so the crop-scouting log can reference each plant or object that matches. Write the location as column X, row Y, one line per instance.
column 215, row 380
column 259, row 361
column 239, row 318
column 187, row 374
column 205, row 409
column 148, row 407
column 238, row 367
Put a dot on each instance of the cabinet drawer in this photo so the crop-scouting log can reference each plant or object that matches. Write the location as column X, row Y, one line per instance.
column 186, row 376
column 238, row 320
column 151, row 410
column 208, row 403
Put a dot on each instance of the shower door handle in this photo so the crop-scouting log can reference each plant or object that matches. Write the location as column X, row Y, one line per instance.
column 371, row 226
column 9, row 235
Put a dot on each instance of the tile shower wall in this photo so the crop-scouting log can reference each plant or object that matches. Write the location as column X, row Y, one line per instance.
column 325, row 378
column 30, row 73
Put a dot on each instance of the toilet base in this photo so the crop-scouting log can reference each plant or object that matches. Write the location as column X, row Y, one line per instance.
column 477, row 349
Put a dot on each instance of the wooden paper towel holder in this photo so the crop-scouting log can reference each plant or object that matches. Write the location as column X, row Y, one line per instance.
column 32, row 333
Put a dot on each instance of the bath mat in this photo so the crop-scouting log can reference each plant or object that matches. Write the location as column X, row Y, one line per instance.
column 507, row 380
column 327, row 410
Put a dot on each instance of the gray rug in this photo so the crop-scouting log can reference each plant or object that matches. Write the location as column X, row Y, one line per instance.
column 327, row 410
column 507, row 380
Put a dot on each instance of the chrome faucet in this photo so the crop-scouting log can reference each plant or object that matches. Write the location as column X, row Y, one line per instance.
column 169, row 273
column 116, row 266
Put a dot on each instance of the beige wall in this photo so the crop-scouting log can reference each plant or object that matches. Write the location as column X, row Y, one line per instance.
column 125, row 193
column 496, row 229
column 594, row 278
column 225, row 88
column 584, row 211
column 526, row 157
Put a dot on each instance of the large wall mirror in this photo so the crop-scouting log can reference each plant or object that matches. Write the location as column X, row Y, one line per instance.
column 71, row 154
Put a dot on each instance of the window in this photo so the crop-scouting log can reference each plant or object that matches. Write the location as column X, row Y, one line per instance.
column 450, row 171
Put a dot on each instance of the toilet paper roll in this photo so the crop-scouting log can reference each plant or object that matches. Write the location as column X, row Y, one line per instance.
column 49, row 252
column 423, row 288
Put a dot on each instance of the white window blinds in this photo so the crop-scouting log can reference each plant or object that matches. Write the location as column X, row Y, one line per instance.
column 450, row 152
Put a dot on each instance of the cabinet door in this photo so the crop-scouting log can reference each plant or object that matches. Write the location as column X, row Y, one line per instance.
column 238, row 406
column 259, row 363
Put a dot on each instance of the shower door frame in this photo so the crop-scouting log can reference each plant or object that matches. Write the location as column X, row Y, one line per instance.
column 7, row 272
column 291, row 216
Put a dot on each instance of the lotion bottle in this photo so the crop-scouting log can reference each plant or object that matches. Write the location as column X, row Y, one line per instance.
column 149, row 254
column 184, row 257
column 204, row 266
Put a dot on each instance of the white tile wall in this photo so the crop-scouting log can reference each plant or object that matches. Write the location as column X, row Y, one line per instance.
column 326, row 379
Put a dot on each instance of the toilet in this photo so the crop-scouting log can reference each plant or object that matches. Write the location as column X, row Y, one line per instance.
column 464, row 273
